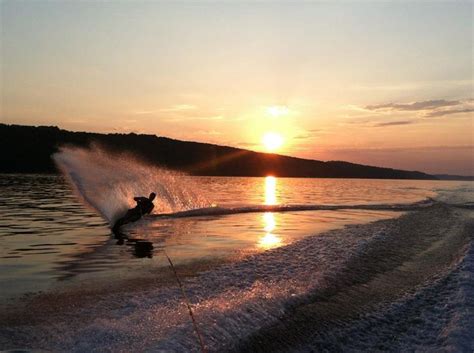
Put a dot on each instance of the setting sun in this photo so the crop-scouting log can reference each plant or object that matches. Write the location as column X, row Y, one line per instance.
column 272, row 141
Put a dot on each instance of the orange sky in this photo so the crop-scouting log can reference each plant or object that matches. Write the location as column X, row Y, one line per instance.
column 387, row 84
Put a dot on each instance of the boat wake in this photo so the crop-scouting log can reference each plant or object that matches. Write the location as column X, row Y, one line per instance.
column 222, row 211
column 395, row 285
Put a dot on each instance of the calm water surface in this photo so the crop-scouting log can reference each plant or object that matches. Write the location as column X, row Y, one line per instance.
column 51, row 239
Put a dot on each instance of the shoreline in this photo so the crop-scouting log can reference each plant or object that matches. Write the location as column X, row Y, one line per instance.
column 448, row 177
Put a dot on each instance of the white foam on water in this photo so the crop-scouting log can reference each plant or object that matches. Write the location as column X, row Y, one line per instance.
column 437, row 317
column 221, row 211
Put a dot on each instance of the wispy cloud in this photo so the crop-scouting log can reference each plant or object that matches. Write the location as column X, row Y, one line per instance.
column 303, row 137
column 375, row 122
column 309, row 134
column 394, row 123
column 449, row 112
column 424, row 105
column 425, row 109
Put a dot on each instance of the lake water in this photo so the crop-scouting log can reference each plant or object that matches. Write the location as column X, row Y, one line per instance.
column 266, row 264
column 51, row 238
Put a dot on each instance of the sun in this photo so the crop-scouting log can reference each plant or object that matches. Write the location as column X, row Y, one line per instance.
column 272, row 141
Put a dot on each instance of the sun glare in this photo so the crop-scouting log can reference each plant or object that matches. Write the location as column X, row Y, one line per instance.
column 272, row 141
column 276, row 111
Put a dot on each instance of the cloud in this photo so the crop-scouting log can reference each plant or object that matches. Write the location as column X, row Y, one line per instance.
column 427, row 109
column 375, row 122
column 309, row 134
column 303, row 137
column 394, row 123
column 449, row 112
column 424, row 105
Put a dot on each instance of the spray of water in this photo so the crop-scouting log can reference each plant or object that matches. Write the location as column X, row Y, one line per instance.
column 108, row 182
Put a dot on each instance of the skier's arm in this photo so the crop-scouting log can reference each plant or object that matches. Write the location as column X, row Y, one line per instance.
column 140, row 199
column 151, row 208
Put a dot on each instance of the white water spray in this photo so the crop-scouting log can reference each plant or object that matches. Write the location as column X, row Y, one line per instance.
column 109, row 182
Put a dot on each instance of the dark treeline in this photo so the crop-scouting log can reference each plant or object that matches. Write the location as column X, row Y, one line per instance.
column 28, row 149
column 454, row 177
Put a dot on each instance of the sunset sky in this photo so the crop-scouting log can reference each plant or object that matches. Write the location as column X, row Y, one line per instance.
column 380, row 83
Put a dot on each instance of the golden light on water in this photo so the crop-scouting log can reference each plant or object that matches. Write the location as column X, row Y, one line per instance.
column 269, row 240
column 272, row 141
column 270, row 190
column 269, row 222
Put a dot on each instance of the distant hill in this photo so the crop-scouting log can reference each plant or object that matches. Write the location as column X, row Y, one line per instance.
column 28, row 149
column 455, row 177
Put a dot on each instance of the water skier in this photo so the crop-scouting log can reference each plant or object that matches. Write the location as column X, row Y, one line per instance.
column 144, row 206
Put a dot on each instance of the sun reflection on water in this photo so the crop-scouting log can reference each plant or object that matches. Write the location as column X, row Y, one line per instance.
column 270, row 190
column 269, row 240
column 269, row 222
